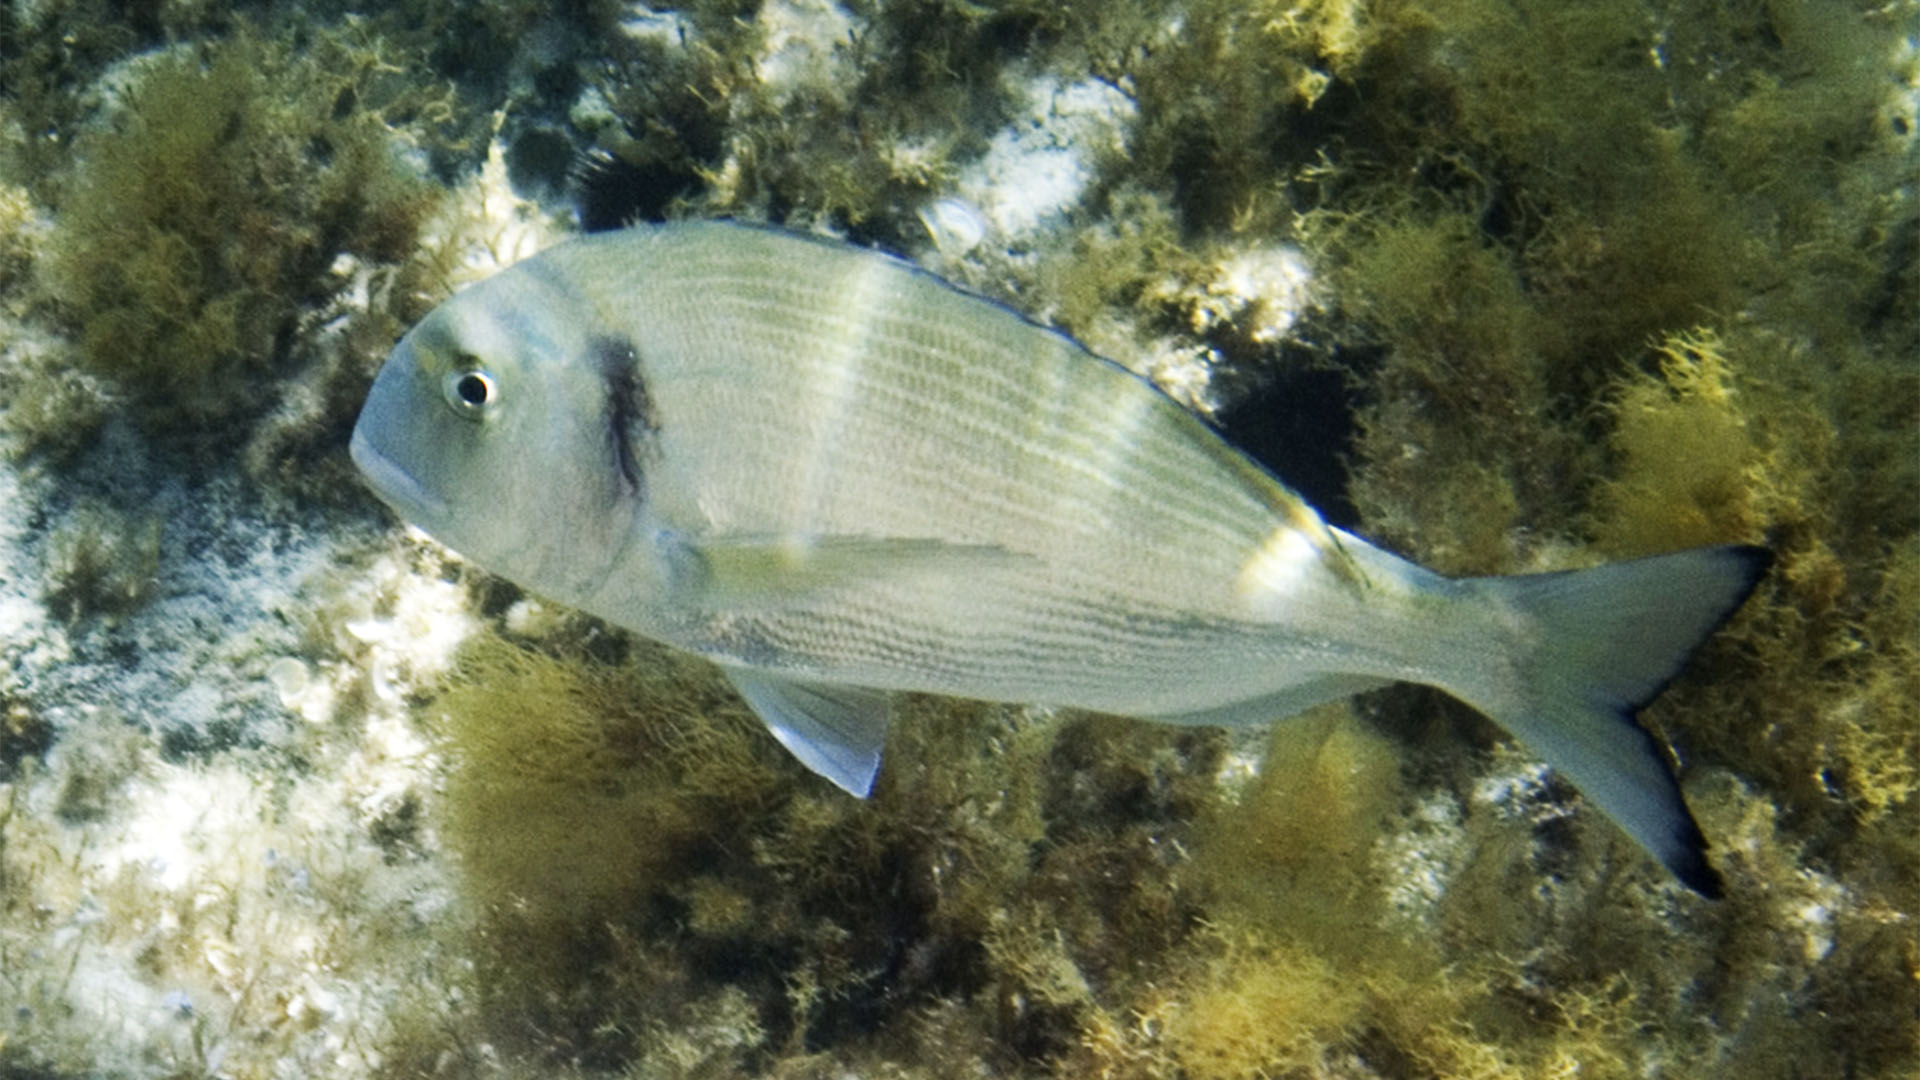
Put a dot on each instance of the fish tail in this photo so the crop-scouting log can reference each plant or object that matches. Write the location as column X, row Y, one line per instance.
column 1596, row 646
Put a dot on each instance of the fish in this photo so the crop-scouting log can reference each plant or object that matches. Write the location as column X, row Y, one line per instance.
column 838, row 477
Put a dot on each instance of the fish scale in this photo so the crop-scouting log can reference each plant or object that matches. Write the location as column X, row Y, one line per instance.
column 854, row 479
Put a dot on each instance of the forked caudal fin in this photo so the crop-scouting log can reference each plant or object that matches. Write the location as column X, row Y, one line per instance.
column 1603, row 643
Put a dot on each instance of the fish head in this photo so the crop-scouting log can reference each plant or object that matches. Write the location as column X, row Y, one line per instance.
column 487, row 428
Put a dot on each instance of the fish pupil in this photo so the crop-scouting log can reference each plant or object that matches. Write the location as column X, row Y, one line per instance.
column 473, row 389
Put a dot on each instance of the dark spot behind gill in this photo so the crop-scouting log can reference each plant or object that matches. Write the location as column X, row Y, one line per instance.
column 630, row 420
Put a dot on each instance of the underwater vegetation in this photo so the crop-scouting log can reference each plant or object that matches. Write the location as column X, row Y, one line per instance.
column 1591, row 281
column 217, row 213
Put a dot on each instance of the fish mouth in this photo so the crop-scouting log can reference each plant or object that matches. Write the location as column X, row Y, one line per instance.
column 395, row 485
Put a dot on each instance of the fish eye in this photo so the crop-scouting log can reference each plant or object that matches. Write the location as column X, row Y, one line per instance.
column 470, row 391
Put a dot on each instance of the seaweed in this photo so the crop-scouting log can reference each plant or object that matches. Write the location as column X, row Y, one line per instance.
column 208, row 216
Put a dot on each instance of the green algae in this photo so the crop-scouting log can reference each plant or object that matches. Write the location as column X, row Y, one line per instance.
column 635, row 845
column 207, row 219
column 102, row 562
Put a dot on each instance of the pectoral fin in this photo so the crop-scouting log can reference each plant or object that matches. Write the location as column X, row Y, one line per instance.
column 837, row 731
column 740, row 569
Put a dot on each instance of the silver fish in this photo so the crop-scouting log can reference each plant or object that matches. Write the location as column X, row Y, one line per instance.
column 836, row 476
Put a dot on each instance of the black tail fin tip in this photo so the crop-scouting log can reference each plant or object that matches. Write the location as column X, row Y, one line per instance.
column 1640, row 793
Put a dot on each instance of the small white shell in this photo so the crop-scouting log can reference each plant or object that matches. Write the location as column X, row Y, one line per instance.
column 955, row 226
column 288, row 676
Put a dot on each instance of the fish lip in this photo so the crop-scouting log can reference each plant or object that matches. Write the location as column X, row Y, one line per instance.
column 393, row 484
